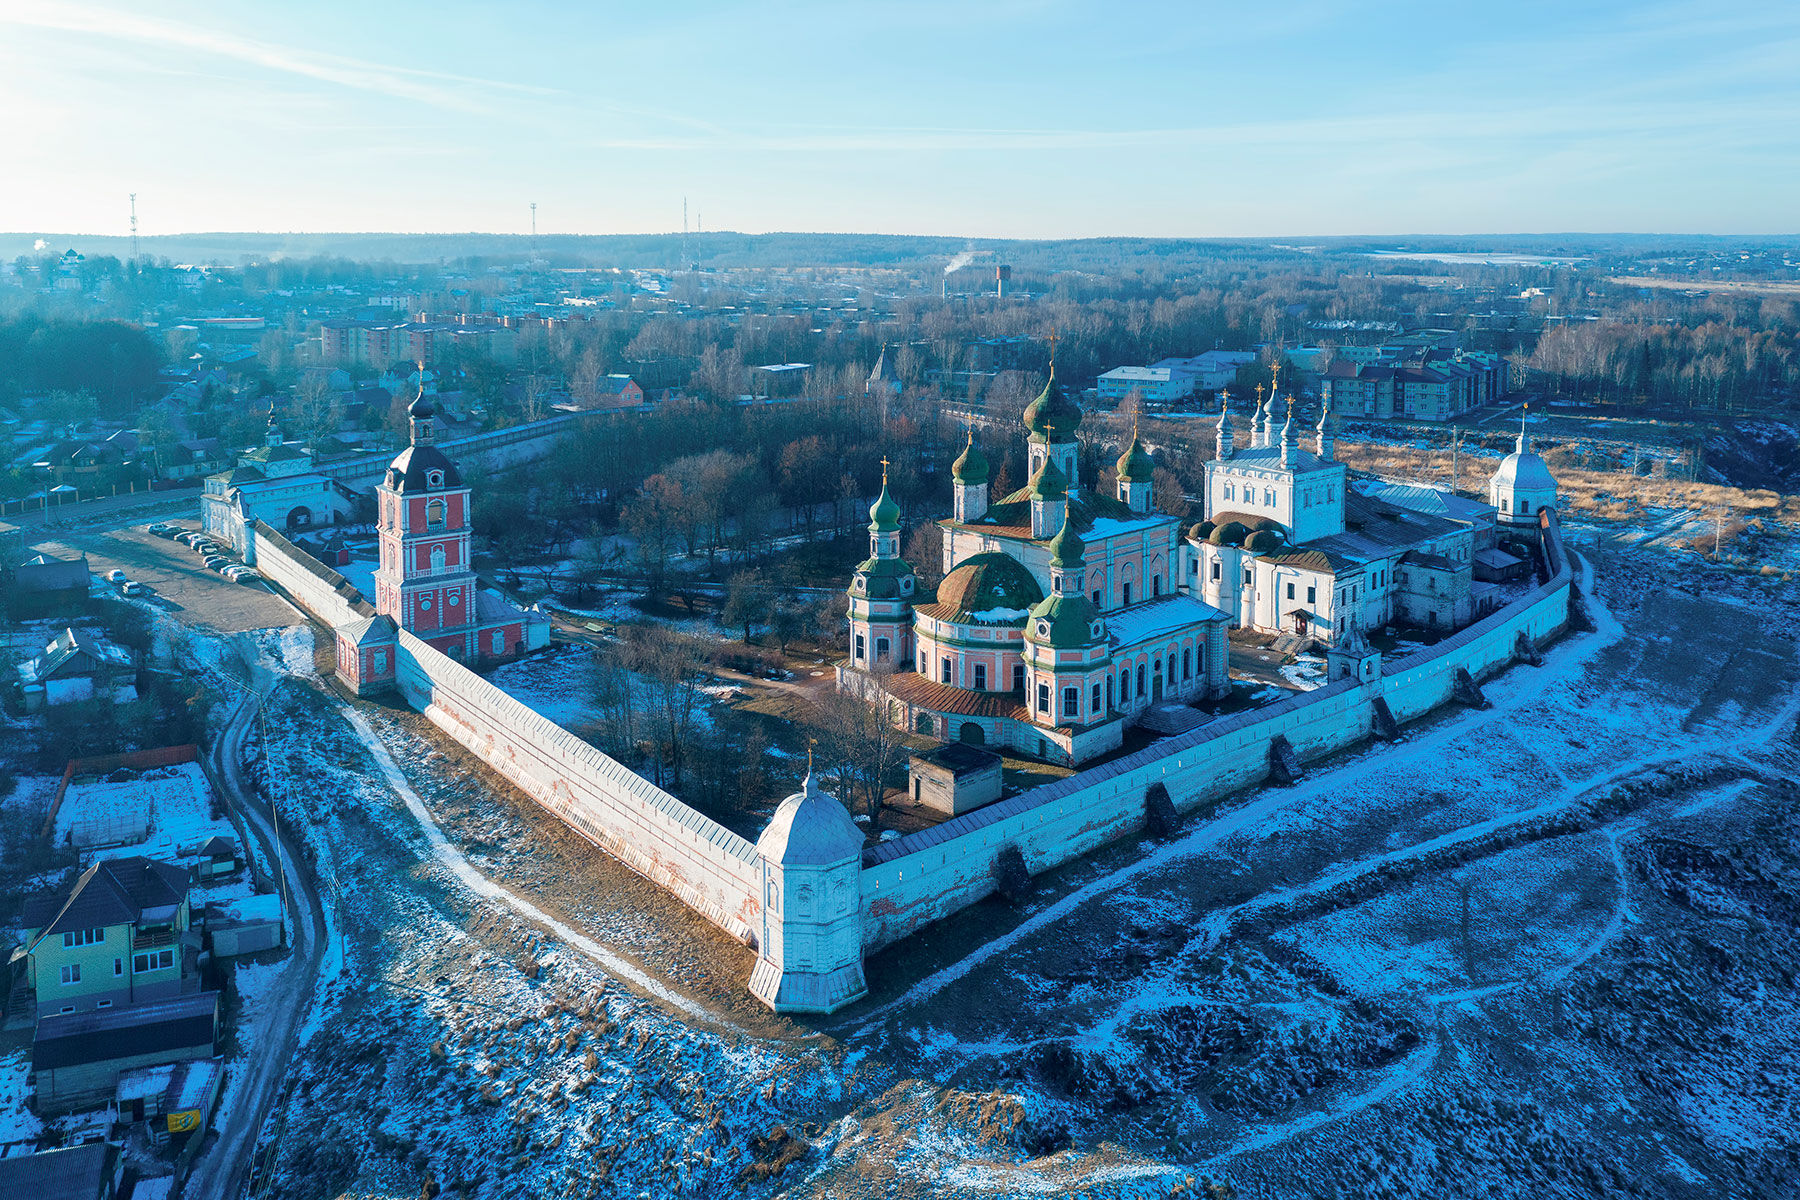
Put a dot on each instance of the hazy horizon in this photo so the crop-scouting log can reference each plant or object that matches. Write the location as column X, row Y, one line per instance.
column 1030, row 119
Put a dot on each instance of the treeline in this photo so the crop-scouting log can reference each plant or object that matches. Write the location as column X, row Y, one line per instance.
column 112, row 361
column 1716, row 366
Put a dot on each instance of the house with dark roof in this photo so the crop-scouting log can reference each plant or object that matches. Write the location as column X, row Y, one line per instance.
column 117, row 936
column 77, row 1058
column 94, row 1171
column 46, row 586
column 77, row 665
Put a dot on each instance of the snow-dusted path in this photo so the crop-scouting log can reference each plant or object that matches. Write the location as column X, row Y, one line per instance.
column 465, row 873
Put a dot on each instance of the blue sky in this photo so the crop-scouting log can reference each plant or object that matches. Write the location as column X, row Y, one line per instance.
column 1023, row 118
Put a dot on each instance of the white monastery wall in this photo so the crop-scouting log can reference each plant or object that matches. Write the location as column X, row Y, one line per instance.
column 914, row 880
column 712, row 870
column 312, row 584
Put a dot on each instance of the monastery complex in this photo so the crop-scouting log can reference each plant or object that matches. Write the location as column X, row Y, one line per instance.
column 1065, row 615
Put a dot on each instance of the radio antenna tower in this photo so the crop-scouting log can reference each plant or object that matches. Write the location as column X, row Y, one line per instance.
column 684, row 233
column 534, row 228
column 134, row 241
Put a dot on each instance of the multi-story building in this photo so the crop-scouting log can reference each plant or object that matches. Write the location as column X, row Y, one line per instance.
column 117, row 936
column 1287, row 547
column 378, row 344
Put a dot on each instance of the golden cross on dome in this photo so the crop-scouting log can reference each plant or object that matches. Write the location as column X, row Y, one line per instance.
column 1259, row 392
column 884, row 466
column 1274, row 378
column 1053, row 339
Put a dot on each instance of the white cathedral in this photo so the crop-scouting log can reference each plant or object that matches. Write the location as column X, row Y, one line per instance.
column 1064, row 615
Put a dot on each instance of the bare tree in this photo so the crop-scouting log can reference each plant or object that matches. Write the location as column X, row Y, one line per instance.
column 860, row 744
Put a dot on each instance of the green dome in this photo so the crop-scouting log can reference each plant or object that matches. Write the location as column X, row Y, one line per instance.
column 1200, row 531
column 884, row 514
column 984, row 583
column 1066, row 548
column 1134, row 464
column 1049, row 483
column 1263, row 541
column 1231, row 533
column 1053, row 417
column 1072, row 622
column 971, row 466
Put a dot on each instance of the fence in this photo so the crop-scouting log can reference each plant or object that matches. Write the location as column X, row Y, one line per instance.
column 106, row 764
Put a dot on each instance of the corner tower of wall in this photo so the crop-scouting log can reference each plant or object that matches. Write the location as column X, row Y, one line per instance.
column 809, row 959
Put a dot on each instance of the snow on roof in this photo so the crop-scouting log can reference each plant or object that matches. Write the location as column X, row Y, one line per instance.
column 265, row 906
column 1105, row 527
column 1159, row 618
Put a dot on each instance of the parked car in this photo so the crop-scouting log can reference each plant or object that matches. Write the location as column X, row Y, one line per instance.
column 216, row 561
column 115, row 576
column 247, row 575
column 191, row 539
column 167, row 531
column 134, row 588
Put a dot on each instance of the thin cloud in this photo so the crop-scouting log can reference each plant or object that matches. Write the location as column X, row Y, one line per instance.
column 425, row 87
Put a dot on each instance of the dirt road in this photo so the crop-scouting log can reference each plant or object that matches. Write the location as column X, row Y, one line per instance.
column 221, row 1171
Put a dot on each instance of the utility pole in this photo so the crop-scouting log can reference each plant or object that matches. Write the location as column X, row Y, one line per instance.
column 134, row 241
column 1455, row 463
column 1718, row 527
column 534, row 229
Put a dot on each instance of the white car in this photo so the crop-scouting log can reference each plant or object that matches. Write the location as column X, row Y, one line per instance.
column 134, row 588
column 115, row 576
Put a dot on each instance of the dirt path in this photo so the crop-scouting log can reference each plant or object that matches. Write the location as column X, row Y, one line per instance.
column 221, row 1171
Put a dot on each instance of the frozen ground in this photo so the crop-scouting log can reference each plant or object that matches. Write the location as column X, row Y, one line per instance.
column 1542, row 949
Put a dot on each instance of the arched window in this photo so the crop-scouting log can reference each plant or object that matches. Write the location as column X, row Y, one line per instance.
column 434, row 514
column 1140, row 679
column 437, row 558
column 1127, row 593
column 1155, row 585
column 1124, row 685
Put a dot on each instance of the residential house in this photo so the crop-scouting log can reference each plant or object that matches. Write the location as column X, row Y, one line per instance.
column 45, row 586
column 94, row 1171
column 77, row 666
column 118, row 936
column 617, row 391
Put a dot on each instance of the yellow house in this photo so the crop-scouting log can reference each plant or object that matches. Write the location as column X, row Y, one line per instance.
column 117, row 936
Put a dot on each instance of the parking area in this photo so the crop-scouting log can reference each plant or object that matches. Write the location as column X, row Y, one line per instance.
column 179, row 582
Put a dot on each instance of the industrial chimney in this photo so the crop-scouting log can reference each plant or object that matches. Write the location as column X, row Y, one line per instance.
column 1002, row 273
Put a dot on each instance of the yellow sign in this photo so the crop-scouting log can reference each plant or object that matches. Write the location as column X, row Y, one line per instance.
column 181, row 1122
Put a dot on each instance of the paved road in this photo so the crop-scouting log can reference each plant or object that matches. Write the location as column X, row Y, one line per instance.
column 221, row 1171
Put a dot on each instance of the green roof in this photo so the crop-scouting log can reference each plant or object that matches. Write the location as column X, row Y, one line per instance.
column 1049, row 483
column 984, row 582
column 884, row 514
column 1134, row 464
column 1071, row 620
column 881, row 578
column 1066, row 548
column 1053, row 417
column 971, row 466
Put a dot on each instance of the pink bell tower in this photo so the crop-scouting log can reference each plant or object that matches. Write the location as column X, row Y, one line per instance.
column 425, row 582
